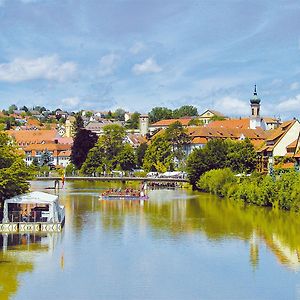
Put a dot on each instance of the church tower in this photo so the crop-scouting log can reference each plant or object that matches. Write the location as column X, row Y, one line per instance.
column 255, row 105
column 255, row 119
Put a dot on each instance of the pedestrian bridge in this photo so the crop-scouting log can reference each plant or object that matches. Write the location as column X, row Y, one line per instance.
column 112, row 178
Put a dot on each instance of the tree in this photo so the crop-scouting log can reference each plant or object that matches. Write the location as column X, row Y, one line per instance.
column 140, row 154
column 196, row 165
column 11, row 108
column 126, row 158
column 14, row 175
column 133, row 122
column 160, row 113
column 45, row 158
column 239, row 156
column 159, row 156
column 119, row 114
column 104, row 155
column 7, row 124
column 78, row 124
column 184, row 111
column 178, row 137
column 195, row 122
column 25, row 108
column 84, row 140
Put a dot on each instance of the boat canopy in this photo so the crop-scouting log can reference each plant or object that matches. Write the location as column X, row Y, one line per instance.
column 35, row 198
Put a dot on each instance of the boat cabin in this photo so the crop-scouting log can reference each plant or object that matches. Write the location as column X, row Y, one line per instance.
column 35, row 211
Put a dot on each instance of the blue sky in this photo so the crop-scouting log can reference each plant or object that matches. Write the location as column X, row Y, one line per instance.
column 96, row 54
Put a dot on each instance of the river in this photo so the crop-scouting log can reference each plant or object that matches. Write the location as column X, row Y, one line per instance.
column 178, row 245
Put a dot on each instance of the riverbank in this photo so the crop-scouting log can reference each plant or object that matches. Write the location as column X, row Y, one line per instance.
column 282, row 192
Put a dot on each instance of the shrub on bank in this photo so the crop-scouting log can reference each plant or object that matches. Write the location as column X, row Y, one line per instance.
column 262, row 190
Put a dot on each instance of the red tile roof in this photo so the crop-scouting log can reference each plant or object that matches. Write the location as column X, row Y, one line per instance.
column 231, row 123
column 165, row 123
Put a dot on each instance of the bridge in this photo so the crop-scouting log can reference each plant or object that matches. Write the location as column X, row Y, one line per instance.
column 111, row 178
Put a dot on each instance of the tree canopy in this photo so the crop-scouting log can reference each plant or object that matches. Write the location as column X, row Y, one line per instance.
column 84, row 140
column 110, row 152
column 13, row 171
column 239, row 156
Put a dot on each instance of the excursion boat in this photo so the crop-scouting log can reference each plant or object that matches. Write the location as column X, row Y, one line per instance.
column 35, row 211
column 127, row 194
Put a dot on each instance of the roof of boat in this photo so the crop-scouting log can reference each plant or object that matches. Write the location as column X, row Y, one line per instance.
column 33, row 198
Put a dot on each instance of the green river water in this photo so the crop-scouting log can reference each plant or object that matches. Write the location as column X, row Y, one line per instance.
column 179, row 244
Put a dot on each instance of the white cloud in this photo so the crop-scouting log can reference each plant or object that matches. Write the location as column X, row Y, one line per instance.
column 295, row 86
column 46, row 67
column 71, row 102
column 291, row 105
column 137, row 48
column 232, row 106
column 108, row 64
column 148, row 66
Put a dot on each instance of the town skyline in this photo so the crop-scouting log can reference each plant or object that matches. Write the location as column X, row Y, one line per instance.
column 138, row 55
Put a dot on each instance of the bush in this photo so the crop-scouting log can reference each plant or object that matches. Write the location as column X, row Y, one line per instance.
column 262, row 190
column 217, row 181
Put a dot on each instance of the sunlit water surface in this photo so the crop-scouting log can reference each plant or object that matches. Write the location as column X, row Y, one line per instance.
column 178, row 245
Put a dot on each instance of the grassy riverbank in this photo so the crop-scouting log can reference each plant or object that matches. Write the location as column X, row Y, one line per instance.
column 261, row 190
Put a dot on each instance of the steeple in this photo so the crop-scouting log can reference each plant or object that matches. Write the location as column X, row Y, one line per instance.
column 255, row 99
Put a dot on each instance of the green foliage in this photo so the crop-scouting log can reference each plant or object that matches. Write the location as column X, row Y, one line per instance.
column 239, row 156
column 178, row 137
column 217, row 181
column 185, row 111
column 133, row 122
column 119, row 114
column 160, row 113
column 11, row 108
column 159, row 156
column 196, row 122
column 84, row 140
column 163, row 113
column 140, row 154
column 78, row 124
column 70, row 170
column 110, row 152
column 258, row 189
column 13, row 171
column 126, row 158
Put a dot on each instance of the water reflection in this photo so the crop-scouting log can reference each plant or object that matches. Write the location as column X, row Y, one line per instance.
column 178, row 236
column 17, row 257
column 181, row 212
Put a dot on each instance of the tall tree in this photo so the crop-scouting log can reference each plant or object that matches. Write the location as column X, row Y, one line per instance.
column 159, row 156
column 104, row 155
column 119, row 114
column 178, row 137
column 84, row 140
column 160, row 113
column 78, row 124
column 140, row 154
column 126, row 158
column 133, row 122
column 11, row 108
column 14, row 175
column 185, row 111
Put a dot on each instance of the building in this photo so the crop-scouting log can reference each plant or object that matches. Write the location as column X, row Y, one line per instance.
column 200, row 136
column 35, row 142
column 144, row 124
column 209, row 115
column 164, row 124
column 282, row 141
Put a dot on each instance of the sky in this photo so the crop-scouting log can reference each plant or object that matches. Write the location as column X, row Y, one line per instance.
column 105, row 54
